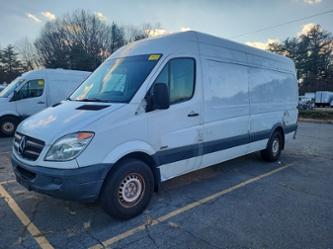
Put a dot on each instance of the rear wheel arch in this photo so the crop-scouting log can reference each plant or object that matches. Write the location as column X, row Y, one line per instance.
column 274, row 145
column 278, row 128
column 11, row 116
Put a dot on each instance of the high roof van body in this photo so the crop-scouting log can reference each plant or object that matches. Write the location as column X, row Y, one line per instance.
column 34, row 91
column 156, row 109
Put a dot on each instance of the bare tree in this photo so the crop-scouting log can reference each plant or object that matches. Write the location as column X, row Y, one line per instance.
column 135, row 33
column 81, row 40
column 117, row 37
column 78, row 41
column 28, row 54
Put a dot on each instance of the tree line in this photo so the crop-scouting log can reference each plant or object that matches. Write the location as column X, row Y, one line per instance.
column 79, row 41
column 312, row 53
column 82, row 41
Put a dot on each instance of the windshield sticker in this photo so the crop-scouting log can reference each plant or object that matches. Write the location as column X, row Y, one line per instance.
column 41, row 82
column 154, row 57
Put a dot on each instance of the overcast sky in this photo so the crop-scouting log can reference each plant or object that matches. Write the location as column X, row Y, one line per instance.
column 224, row 18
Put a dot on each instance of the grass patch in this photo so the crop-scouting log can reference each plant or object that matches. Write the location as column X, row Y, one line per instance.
column 325, row 114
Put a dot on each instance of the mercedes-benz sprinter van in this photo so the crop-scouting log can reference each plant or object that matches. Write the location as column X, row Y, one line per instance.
column 157, row 109
column 34, row 91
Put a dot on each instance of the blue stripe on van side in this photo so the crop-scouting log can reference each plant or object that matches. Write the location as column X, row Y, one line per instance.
column 193, row 150
column 177, row 154
column 225, row 143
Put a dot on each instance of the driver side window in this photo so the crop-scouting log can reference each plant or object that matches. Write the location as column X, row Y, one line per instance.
column 179, row 75
column 31, row 89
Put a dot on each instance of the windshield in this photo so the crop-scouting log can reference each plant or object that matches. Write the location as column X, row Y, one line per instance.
column 5, row 93
column 116, row 80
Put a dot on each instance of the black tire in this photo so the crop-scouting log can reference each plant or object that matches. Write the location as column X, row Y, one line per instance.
column 123, row 184
column 274, row 147
column 8, row 126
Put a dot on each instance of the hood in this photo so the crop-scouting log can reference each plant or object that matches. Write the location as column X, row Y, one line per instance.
column 63, row 119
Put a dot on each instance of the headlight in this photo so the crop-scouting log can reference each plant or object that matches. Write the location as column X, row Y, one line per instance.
column 69, row 146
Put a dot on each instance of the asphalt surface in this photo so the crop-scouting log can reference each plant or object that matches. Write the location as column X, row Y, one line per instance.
column 287, row 208
column 5, row 144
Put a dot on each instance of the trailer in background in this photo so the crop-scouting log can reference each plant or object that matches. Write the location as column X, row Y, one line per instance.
column 310, row 95
column 323, row 98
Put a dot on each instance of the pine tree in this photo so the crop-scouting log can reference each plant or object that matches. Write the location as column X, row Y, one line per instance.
column 12, row 66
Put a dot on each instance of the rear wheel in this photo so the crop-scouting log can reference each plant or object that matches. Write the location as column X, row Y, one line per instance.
column 8, row 126
column 274, row 147
column 127, row 190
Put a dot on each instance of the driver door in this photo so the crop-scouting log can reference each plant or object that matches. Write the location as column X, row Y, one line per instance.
column 175, row 132
column 31, row 98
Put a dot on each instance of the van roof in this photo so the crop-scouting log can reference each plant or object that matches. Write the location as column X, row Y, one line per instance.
column 51, row 71
column 188, row 43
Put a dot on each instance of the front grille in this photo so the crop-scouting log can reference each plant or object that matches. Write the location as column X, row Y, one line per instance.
column 27, row 147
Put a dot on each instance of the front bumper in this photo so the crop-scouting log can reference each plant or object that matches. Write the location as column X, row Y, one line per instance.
column 81, row 184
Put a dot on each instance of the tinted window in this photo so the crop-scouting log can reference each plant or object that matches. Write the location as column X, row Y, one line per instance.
column 179, row 75
column 116, row 80
column 31, row 89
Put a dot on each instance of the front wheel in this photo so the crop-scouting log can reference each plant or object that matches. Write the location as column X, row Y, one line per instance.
column 274, row 147
column 8, row 126
column 127, row 190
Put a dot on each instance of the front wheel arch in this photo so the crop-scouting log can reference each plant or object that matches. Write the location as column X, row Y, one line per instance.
column 141, row 156
column 109, row 196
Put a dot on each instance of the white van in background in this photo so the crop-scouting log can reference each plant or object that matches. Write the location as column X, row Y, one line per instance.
column 156, row 109
column 34, row 91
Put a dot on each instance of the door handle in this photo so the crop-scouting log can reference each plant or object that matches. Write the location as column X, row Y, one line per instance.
column 193, row 114
column 40, row 103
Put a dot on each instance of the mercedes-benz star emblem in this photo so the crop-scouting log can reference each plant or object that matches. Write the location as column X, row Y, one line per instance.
column 22, row 145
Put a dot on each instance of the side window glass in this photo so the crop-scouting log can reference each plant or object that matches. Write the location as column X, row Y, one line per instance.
column 163, row 77
column 181, row 80
column 32, row 89
column 179, row 74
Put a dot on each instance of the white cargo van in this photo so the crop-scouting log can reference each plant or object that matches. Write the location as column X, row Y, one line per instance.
column 157, row 109
column 34, row 91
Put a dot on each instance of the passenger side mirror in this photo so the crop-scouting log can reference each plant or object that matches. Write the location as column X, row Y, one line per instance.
column 160, row 97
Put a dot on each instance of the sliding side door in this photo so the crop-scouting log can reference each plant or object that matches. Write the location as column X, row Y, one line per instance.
column 226, row 111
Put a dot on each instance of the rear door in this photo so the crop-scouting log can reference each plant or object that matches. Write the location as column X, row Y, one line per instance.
column 176, row 132
column 31, row 98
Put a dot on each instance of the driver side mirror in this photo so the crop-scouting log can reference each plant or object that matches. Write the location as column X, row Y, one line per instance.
column 159, row 99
